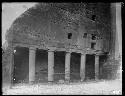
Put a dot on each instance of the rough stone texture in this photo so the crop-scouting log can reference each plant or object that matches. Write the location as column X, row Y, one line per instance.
column 7, row 66
column 79, row 88
column 37, row 25
column 49, row 24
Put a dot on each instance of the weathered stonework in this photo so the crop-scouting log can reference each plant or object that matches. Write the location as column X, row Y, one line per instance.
column 60, row 28
column 53, row 25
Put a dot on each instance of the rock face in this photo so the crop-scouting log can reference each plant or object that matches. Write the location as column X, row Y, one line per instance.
column 62, row 26
column 59, row 25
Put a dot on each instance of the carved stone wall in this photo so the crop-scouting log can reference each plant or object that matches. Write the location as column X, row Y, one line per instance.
column 52, row 25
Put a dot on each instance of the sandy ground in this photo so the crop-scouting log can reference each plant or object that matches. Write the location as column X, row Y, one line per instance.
column 83, row 88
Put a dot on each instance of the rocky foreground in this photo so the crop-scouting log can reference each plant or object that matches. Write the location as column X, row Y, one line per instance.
column 83, row 88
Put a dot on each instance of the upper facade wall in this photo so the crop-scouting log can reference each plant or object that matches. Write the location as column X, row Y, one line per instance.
column 58, row 25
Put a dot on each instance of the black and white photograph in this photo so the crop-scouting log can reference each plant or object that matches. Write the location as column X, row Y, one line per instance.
column 62, row 48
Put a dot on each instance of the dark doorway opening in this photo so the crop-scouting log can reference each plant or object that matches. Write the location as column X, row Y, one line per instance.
column 59, row 66
column 93, row 37
column 21, row 65
column 85, row 35
column 93, row 45
column 41, row 66
column 90, row 67
column 75, row 67
column 69, row 35
column 102, row 61
column 93, row 17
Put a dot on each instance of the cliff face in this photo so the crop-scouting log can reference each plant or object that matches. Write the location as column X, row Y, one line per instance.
column 60, row 25
column 66, row 25
column 7, row 59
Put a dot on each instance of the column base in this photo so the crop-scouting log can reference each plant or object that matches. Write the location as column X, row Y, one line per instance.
column 82, row 80
column 67, row 81
column 50, row 82
column 96, row 79
column 31, row 82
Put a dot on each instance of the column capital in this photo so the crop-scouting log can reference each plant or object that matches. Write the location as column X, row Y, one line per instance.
column 97, row 54
column 51, row 50
column 83, row 53
column 32, row 48
column 68, row 51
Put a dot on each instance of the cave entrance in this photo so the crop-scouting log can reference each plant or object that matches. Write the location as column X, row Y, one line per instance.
column 90, row 67
column 75, row 66
column 59, row 65
column 21, row 65
column 41, row 66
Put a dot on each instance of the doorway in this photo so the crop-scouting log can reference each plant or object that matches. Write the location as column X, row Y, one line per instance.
column 41, row 66
column 90, row 67
column 21, row 65
column 75, row 66
column 59, row 66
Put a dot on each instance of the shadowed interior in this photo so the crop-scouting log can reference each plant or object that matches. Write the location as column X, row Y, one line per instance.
column 21, row 66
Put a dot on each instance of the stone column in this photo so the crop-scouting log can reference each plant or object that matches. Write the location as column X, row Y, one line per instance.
column 82, row 66
column 67, row 66
column 96, row 67
column 32, row 55
column 50, row 65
